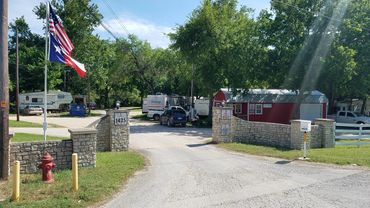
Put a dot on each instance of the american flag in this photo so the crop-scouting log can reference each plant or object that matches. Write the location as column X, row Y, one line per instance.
column 56, row 29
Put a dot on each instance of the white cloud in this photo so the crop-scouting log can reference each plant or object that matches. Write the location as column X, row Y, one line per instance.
column 156, row 35
column 18, row 8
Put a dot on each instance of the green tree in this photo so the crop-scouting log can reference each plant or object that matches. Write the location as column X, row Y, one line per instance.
column 31, row 58
column 221, row 41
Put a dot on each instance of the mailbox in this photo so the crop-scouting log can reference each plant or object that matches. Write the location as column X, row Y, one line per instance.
column 305, row 126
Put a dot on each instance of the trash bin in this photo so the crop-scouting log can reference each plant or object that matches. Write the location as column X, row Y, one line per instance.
column 77, row 110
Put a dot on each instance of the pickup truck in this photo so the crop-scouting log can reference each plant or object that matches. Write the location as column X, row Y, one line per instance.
column 350, row 117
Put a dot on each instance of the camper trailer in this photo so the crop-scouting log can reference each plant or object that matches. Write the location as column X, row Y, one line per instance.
column 56, row 100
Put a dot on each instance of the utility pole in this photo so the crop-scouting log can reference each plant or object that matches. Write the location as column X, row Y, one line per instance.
column 4, row 92
column 191, row 93
column 17, row 74
column 65, row 80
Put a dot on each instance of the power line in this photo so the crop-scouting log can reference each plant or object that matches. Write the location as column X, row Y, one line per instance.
column 116, row 17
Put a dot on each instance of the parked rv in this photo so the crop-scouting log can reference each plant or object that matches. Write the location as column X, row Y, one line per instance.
column 156, row 105
column 56, row 100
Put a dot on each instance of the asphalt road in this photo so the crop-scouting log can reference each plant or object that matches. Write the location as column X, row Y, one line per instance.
column 186, row 172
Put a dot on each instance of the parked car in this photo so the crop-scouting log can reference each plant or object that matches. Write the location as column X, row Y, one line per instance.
column 173, row 116
column 32, row 110
column 350, row 117
column 92, row 105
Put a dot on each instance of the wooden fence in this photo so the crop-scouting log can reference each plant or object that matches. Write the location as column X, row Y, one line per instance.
column 352, row 134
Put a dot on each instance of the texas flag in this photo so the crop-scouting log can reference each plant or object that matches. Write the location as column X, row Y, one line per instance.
column 60, row 46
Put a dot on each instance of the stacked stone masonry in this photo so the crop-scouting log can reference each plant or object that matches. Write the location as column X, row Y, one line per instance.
column 103, row 135
column 119, row 134
column 30, row 153
column 82, row 142
column 272, row 134
column 260, row 133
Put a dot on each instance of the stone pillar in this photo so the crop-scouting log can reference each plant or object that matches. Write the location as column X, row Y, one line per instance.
column 119, row 130
column 296, row 136
column 221, row 124
column 84, row 144
column 327, row 133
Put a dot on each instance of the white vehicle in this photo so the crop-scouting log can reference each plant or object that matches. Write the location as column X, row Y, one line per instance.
column 155, row 105
column 202, row 107
column 56, row 100
column 350, row 117
column 155, row 114
column 144, row 108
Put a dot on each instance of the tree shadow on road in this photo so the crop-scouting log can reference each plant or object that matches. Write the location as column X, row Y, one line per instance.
column 182, row 131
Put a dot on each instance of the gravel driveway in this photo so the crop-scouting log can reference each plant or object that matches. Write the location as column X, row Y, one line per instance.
column 186, row 172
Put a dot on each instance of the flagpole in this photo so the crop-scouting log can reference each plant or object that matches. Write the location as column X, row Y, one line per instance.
column 45, row 124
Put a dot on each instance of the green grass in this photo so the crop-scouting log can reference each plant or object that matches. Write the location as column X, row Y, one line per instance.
column 66, row 114
column 24, row 137
column 13, row 123
column 142, row 117
column 26, row 124
column 341, row 155
column 95, row 184
column 136, row 109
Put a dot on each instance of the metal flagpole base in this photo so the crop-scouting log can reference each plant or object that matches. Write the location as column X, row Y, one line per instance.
column 303, row 158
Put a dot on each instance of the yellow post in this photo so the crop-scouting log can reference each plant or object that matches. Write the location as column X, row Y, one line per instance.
column 16, row 181
column 74, row 172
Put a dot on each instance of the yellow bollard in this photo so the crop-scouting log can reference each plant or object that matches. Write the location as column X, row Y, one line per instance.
column 74, row 172
column 16, row 181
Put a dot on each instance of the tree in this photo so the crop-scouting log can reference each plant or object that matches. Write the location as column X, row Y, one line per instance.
column 221, row 41
column 79, row 20
column 31, row 58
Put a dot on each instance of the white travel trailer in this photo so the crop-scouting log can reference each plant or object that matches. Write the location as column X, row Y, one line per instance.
column 56, row 100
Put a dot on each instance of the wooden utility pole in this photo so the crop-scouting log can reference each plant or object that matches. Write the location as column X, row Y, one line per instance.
column 17, row 74
column 4, row 92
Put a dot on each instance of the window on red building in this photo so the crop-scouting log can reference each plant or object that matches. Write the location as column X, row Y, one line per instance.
column 258, row 109
column 238, row 108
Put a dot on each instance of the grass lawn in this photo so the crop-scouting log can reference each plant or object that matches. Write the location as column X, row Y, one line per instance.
column 341, row 155
column 136, row 109
column 14, row 123
column 142, row 117
column 66, row 114
column 24, row 137
column 95, row 184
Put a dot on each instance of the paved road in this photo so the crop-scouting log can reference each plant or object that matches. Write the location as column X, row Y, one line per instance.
column 67, row 122
column 185, row 172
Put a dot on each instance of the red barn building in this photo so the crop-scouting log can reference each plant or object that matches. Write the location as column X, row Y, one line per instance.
column 273, row 105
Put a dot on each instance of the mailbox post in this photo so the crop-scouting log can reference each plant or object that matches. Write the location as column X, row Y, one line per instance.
column 305, row 127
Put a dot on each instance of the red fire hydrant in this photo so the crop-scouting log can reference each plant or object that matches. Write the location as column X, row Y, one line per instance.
column 46, row 166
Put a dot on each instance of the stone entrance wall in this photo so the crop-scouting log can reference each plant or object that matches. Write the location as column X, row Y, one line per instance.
column 270, row 134
column 113, row 131
column 82, row 142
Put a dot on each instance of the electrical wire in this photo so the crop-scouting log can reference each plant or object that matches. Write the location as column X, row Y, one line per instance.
column 116, row 17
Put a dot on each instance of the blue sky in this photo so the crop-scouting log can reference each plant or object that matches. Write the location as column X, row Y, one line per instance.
column 150, row 20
